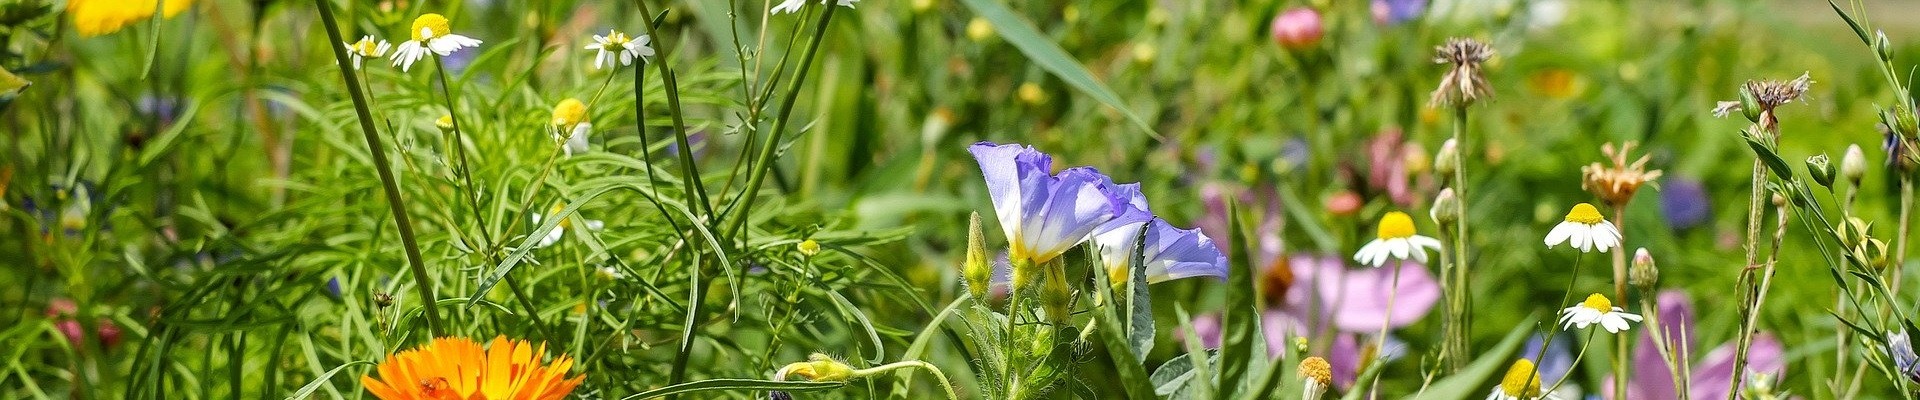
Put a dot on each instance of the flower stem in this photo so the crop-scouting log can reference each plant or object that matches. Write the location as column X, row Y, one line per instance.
column 1576, row 362
column 770, row 147
column 1553, row 328
column 1621, row 374
column 1459, row 340
column 422, row 281
column 460, row 151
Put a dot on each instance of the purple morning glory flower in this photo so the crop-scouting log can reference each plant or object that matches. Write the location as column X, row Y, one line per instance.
column 1711, row 375
column 1170, row 253
column 1043, row 215
column 1685, row 202
column 1900, row 349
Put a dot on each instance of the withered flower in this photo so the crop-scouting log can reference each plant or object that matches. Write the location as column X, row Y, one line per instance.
column 1758, row 99
column 1616, row 183
column 1464, row 83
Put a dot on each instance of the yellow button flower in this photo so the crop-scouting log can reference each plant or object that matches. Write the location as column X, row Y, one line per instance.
column 1397, row 239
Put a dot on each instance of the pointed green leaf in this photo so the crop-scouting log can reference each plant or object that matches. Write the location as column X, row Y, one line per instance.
column 1050, row 57
column 1474, row 379
column 1240, row 318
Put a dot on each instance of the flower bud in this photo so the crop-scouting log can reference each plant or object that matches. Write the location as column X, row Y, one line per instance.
column 1853, row 165
column 979, row 29
column 445, row 123
column 1882, row 46
column 1446, row 208
column 1643, row 274
column 1298, row 28
column 1822, row 170
column 1447, row 160
column 808, row 247
column 1854, row 231
column 1749, row 105
column 818, row 368
column 1055, row 296
column 977, row 270
column 1871, row 254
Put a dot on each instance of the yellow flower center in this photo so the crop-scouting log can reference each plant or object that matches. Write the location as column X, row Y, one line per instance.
column 445, row 122
column 1598, row 302
column 433, row 25
column 616, row 39
column 1396, row 225
column 1585, row 213
column 1521, row 381
column 365, row 47
column 1317, row 370
column 569, row 113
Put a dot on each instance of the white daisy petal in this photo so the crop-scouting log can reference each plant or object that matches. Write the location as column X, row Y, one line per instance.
column 1559, row 234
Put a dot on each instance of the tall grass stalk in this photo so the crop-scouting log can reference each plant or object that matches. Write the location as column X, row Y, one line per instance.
column 1458, row 341
column 422, row 281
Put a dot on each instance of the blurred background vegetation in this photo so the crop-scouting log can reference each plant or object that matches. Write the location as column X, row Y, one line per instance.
column 195, row 192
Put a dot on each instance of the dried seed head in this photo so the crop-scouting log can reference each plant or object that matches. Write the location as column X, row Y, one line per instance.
column 1617, row 181
column 1463, row 83
column 1770, row 94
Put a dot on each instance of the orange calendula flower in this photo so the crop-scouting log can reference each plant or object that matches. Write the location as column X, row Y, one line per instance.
column 100, row 17
column 453, row 368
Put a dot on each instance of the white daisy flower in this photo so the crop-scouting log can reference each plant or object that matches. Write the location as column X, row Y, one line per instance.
column 1521, row 383
column 430, row 33
column 1586, row 229
column 366, row 48
column 792, row 6
column 619, row 43
column 1596, row 310
column 570, row 118
column 610, row 273
column 1397, row 239
column 560, row 231
column 1316, row 375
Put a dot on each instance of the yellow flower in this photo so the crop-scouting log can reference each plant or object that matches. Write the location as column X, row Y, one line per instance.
column 570, row 119
column 99, row 17
column 1396, row 239
column 431, row 33
column 1317, row 376
column 458, row 368
column 1521, row 383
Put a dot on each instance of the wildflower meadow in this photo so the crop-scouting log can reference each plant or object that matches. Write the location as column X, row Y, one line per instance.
column 959, row 199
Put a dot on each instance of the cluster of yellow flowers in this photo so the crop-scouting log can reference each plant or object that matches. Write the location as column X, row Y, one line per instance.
column 100, row 17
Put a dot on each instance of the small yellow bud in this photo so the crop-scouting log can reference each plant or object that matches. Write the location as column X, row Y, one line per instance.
column 445, row 123
column 979, row 29
column 818, row 368
column 977, row 270
column 808, row 247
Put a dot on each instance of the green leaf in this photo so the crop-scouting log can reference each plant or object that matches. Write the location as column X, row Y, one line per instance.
column 1203, row 366
column 1857, row 29
column 1049, row 56
column 1239, row 318
column 1767, row 156
column 1473, row 380
column 735, row 384
column 11, row 85
column 322, row 380
column 1140, row 329
column 1133, row 378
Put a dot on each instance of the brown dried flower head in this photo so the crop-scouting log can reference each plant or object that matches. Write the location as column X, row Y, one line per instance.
column 1464, row 83
column 1617, row 183
column 1769, row 94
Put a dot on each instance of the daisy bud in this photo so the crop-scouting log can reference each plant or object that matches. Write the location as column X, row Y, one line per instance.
column 1822, row 170
column 977, row 270
column 1298, row 28
column 382, row 299
column 818, row 368
column 1316, row 375
column 1759, row 386
column 1446, row 208
column 445, row 123
column 1447, row 160
column 1853, row 165
column 1643, row 274
column 979, row 29
column 808, row 247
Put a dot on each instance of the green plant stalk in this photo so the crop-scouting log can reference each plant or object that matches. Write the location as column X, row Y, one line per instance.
column 1900, row 241
column 1553, row 328
column 1576, row 361
column 1750, row 306
column 1022, row 285
column 1459, row 342
column 1380, row 341
column 1620, row 355
column 399, row 207
column 696, row 192
column 460, row 152
column 1664, row 345
column 769, row 148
